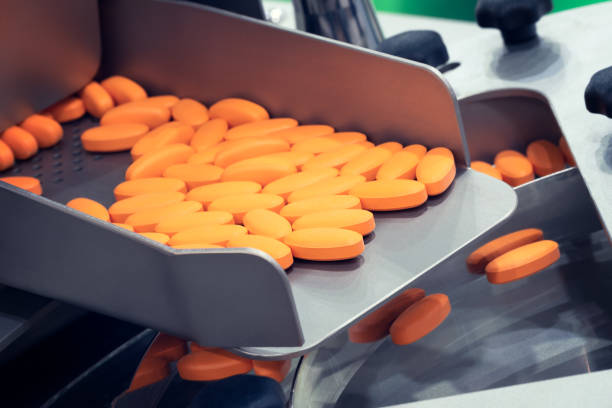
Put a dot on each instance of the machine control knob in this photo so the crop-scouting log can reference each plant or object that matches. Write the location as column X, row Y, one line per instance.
column 419, row 45
column 598, row 93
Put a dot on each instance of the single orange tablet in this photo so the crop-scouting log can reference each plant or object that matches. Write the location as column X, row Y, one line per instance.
column 156, row 236
column 209, row 193
column 478, row 259
column 262, row 172
column 514, row 167
column 437, row 171
column 299, row 133
column 330, row 186
column 367, row 145
column 367, row 163
column 420, row 319
column 267, row 223
column 23, row 144
column 522, row 261
column 545, row 157
column 124, row 226
column 567, row 153
column 46, row 131
column 208, row 234
column 240, row 204
column 164, row 135
column 393, row 147
column 357, row 220
column 212, row 364
column 209, row 134
column 147, row 220
column 165, row 101
column 325, row 244
column 195, row 175
column 177, row 223
column 417, row 149
column 402, row 165
column 90, row 207
column 295, row 210
column 148, row 185
column 237, row 111
column 442, row 151
column 260, row 128
column 276, row 249
column 196, row 245
column 96, row 99
column 348, row 137
column 335, row 158
column 376, row 325
column 252, row 147
column 297, row 158
column 486, row 168
column 71, row 108
column 390, row 195
column 123, row 89
column 277, row 370
column 136, row 112
column 149, row 371
column 113, row 138
column 316, row 145
column 122, row 209
column 30, row 184
column 288, row 184
column 167, row 347
column 190, row 111
column 7, row 158
column 153, row 164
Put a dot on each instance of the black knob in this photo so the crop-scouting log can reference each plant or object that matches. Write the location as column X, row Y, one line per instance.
column 598, row 93
column 419, row 45
column 515, row 18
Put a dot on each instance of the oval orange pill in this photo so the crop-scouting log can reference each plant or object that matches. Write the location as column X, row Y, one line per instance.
column 486, row 168
column 96, row 99
column 260, row 128
column 366, row 163
column 288, row 184
column 196, row 245
column 299, row 133
column 478, row 259
column 30, row 184
column 23, row 144
column 297, row 158
column 263, row 172
column 190, row 111
column 252, row 147
column 124, row 226
column 335, row 158
column 90, row 207
column 390, row 195
column 209, row 134
column 167, row 347
column 136, row 112
column 149, row 371
column 276, row 249
column 277, row 370
column 71, row 108
column 367, row 145
column 164, row 101
column 46, row 131
column 514, row 167
column 237, row 111
column 348, row 137
column 195, row 175
column 113, row 138
column 393, row 147
column 357, row 220
column 317, row 204
column 123, row 89
column 177, row 223
column 267, row 223
column 417, row 149
column 402, row 165
column 147, row 220
column 331, row 186
column 122, row 209
column 209, row 193
column 7, row 158
column 206, row 156
column 316, row 145
column 522, row 261
column 164, row 135
column 156, row 236
column 420, row 319
column 133, row 188
column 239, row 205
column 153, row 164
column 208, row 234
column 376, row 325
column 437, row 171
column 325, row 244
column 567, row 153
column 442, row 151
column 545, row 157
column 212, row 364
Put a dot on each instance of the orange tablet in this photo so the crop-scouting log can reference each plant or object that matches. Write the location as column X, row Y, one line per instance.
column 376, row 325
column 149, row 371
column 136, row 187
column 165, row 101
column 190, row 111
column 209, row 134
column 522, row 261
column 367, row 163
column 195, row 175
column 297, row 158
column 23, row 144
column 156, row 236
column 361, row 221
column 207, row 155
column 335, row 158
column 545, row 157
column 71, row 108
column 208, row 234
column 123, row 89
column 288, row 184
column 240, row 204
column 30, row 184
column 136, row 112
column 196, row 245
column 90, row 207
column 167, row 347
column 486, row 168
column 164, row 135
column 402, row 165
column 96, row 99
column 154, row 163
column 393, row 147
column 212, row 364
column 251, row 147
column 325, row 244
column 260, row 128
column 122, row 209
column 330, row 186
column 277, row 370
column 209, row 193
column 147, row 220
column 348, row 137
column 567, row 153
column 299, row 133
column 514, row 167
column 275, row 248
column 237, row 111
column 390, row 195
column 46, row 131
column 262, row 172
column 316, row 145
column 420, row 319
column 267, row 223
column 417, row 149
column 367, row 145
column 7, row 158
column 436, row 170
column 113, row 138
column 124, row 226
column 177, row 223
column 295, row 210
column 478, row 259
